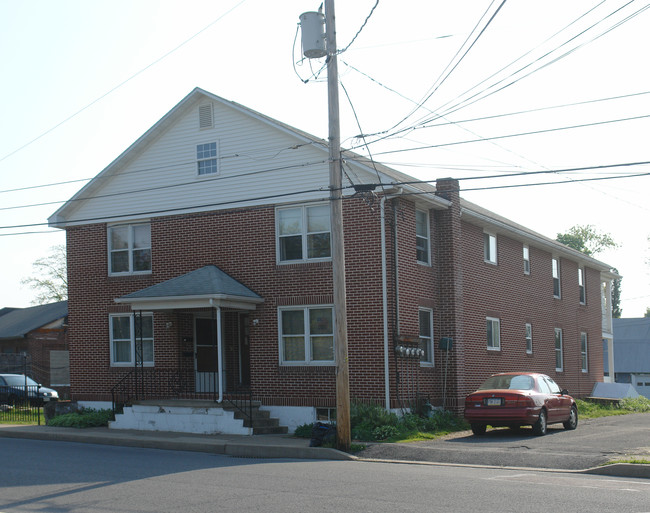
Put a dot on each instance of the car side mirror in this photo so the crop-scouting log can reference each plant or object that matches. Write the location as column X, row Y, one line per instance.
column 564, row 391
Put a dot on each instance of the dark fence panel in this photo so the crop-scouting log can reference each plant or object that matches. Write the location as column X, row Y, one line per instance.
column 20, row 404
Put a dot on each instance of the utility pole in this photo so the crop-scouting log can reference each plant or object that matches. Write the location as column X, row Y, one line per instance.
column 338, row 248
column 316, row 45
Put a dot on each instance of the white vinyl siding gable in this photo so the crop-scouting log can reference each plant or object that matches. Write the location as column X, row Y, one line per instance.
column 255, row 161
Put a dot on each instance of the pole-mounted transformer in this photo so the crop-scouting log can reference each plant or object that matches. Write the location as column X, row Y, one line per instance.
column 312, row 25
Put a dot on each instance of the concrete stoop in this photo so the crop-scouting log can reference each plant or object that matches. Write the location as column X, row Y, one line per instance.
column 200, row 417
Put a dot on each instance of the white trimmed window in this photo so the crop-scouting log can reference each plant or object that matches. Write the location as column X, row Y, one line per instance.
column 556, row 277
column 493, row 334
column 303, row 233
column 129, row 247
column 581, row 285
column 490, row 248
column 131, row 339
column 206, row 159
column 306, row 335
column 526, row 259
column 422, row 238
column 529, row 338
column 426, row 335
column 583, row 352
column 559, row 357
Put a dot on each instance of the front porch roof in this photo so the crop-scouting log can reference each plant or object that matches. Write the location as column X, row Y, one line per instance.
column 206, row 287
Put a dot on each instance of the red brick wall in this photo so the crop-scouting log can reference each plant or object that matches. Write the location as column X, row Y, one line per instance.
column 460, row 288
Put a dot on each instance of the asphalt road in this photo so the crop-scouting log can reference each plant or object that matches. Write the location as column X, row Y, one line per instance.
column 57, row 477
column 594, row 442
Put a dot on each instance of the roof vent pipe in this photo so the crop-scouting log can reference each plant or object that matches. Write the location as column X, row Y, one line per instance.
column 313, row 34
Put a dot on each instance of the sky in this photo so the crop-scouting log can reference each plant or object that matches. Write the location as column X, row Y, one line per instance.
column 477, row 90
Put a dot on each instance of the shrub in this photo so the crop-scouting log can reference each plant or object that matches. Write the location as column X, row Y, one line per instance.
column 304, row 430
column 85, row 418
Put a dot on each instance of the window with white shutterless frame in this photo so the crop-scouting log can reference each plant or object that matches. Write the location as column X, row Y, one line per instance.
column 493, row 333
column 526, row 255
column 131, row 338
column 584, row 362
column 529, row 338
column 207, row 158
column 581, row 286
column 559, row 350
column 303, row 233
column 422, row 237
column 426, row 335
column 129, row 249
column 490, row 247
column 306, row 335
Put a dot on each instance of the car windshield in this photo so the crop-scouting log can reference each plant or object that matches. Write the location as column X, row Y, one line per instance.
column 19, row 381
column 509, row 382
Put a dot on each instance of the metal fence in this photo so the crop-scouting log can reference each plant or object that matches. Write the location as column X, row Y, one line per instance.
column 20, row 404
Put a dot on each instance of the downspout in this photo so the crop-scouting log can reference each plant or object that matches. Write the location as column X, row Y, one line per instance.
column 384, row 289
column 384, row 299
column 219, row 370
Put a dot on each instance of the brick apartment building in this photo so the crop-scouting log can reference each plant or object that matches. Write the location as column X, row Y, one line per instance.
column 201, row 258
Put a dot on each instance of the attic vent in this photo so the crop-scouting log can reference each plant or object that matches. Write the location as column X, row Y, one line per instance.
column 205, row 116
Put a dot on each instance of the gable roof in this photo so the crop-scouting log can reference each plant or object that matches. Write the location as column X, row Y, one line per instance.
column 204, row 287
column 632, row 345
column 361, row 170
column 18, row 322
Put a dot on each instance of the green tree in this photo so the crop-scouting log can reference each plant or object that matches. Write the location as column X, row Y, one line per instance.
column 647, row 312
column 588, row 240
column 50, row 280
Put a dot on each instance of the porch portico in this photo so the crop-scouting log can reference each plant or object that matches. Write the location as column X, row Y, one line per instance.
column 217, row 306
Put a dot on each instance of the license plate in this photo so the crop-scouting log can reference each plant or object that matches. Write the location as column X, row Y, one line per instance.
column 493, row 401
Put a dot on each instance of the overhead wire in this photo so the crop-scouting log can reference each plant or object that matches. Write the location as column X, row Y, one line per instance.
column 115, row 88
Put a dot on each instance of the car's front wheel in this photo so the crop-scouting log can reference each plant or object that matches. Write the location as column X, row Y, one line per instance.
column 539, row 428
column 572, row 422
column 478, row 429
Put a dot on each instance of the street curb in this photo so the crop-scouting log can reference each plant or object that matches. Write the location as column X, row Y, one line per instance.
column 212, row 445
column 613, row 470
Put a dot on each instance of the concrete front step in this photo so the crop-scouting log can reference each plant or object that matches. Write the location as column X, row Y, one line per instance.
column 196, row 416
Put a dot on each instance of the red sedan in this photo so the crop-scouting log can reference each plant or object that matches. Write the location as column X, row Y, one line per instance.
column 518, row 399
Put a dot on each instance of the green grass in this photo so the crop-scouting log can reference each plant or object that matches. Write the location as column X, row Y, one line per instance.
column 634, row 461
column 593, row 410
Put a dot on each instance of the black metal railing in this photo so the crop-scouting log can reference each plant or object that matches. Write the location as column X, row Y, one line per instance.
column 154, row 383
column 20, row 404
column 241, row 399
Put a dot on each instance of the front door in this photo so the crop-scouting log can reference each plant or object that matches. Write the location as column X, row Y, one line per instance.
column 205, row 351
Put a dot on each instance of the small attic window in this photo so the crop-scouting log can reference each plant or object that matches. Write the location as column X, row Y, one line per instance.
column 205, row 116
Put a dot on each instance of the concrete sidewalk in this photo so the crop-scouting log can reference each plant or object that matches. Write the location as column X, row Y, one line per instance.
column 258, row 446
column 275, row 446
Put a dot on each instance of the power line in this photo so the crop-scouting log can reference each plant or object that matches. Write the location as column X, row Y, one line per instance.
column 121, row 83
column 360, row 29
column 506, row 136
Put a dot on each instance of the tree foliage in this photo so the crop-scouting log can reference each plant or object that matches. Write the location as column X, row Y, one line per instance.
column 50, row 280
column 586, row 239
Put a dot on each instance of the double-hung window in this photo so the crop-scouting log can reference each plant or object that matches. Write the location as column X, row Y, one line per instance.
column 583, row 352
column 581, row 285
column 493, row 334
column 422, row 241
column 129, row 248
column 490, row 248
column 426, row 335
column 131, row 339
column 556, row 277
column 303, row 233
column 559, row 357
column 306, row 335
column 206, row 159
column 529, row 338
column 526, row 259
